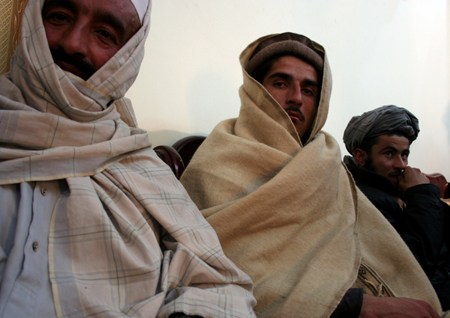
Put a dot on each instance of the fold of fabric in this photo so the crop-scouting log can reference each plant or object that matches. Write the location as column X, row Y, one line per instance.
column 125, row 239
column 291, row 216
column 103, row 256
column 44, row 111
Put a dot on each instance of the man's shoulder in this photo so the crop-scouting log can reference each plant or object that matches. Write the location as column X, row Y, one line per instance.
column 376, row 188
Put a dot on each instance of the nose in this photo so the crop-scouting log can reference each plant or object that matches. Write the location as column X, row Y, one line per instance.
column 295, row 96
column 74, row 41
column 400, row 163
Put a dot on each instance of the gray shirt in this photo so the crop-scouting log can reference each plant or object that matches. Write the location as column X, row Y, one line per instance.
column 26, row 210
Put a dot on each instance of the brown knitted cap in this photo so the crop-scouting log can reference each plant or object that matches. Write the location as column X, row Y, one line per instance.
column 286, row 44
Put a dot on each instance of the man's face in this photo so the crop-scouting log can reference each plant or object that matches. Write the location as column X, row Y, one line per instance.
column 84, row 34
column 389, row 157
column 294, row 85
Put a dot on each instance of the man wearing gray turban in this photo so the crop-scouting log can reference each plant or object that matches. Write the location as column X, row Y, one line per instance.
column 379, row 142
column 380, row 121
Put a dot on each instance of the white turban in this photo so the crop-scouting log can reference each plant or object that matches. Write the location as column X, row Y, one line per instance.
column 141, row 7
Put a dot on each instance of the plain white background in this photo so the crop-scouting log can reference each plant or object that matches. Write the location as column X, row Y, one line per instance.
column 381, row 52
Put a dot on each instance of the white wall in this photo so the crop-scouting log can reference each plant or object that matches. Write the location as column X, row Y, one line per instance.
column 381, row 52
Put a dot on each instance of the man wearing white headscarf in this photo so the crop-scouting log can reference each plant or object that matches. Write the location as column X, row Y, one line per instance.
column 273, row 186
column 92, row 223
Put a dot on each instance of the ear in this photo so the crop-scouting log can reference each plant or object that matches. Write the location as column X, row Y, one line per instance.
column 360, row 157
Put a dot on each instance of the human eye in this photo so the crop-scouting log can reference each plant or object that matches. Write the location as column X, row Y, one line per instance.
column 59, row 17
column 56, row 12
column 389, row 154
column 106, row 36
column 279, row 84
column 308, row 91
column 56, row 17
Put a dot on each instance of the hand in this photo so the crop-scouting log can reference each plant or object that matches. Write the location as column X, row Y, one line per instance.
column 393, row 307
column 411, row 177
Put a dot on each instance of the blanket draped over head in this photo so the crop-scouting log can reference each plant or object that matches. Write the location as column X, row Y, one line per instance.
column 123, row 204
column 291, row 216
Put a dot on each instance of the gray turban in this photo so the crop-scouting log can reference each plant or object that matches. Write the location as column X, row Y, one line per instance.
column 380, row 121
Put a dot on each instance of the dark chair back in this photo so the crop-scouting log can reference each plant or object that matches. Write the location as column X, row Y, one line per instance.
column 178, row 156
column 440, row 181
column 171, row 157
column 187, row 146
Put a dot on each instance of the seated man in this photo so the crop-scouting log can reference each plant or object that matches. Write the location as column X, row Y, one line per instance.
column 92, row 223
column 379, row 142
column 286, row 210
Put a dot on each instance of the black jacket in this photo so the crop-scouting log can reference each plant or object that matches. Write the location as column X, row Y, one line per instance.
column 418, row 215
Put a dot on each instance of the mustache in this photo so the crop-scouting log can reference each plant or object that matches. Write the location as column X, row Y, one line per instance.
column 84, row 66
column 397, row 172
column 297, row 110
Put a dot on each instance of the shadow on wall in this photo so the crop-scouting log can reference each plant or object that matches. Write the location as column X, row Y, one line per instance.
column 168, row 137
column 446, row 120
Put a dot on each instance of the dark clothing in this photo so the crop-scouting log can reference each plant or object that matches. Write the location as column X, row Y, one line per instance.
column 419, row 216
column 350, row 305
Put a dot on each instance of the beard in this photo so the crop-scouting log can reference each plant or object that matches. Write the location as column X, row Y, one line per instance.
column 85, row 67
column 369, row 164
column 393, row 176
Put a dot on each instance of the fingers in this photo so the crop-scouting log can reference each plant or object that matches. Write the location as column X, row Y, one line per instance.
column 393, row 307
column 412, row 177
column 417, row 174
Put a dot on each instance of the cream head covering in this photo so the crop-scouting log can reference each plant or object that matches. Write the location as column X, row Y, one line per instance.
column 141, row 7
column 48, row 94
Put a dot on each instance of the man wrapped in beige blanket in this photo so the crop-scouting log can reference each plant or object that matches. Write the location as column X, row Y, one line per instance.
column 287, row 211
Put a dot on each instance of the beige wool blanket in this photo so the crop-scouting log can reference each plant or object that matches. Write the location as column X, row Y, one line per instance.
column 291, row 216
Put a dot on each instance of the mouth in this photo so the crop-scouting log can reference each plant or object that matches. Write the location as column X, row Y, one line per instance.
column 397, row 173
column 72, row 64
column 295, row 115
column 71, row 68
column 395, row 176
